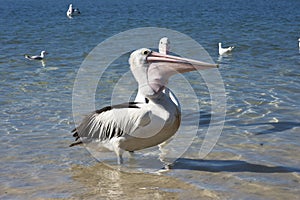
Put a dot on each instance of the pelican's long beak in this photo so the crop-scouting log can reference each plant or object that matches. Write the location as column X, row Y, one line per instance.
column 162, row 67
column 179, row 64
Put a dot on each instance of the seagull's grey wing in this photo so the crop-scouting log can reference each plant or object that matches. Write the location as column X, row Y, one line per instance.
column 28, row 57
column 112, row 121
column 33, row 57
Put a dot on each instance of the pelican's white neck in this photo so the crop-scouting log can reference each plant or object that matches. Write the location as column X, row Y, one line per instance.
column 145, row 88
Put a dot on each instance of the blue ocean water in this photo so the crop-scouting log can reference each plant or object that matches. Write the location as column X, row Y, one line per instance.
column 257, row 155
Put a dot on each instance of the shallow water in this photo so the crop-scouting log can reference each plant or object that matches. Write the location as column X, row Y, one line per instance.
column 257, row 154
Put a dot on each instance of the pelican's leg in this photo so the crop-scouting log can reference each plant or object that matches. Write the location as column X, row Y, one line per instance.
column 119, row 153
column 168, row 166
column 116, row 147
column 120, row 159
column 163, row 155
column 163, row 152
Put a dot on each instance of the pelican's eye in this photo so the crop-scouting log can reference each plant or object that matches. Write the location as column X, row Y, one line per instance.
column 145, row 52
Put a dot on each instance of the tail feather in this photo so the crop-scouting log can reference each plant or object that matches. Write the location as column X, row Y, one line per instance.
column 27, row 57
column 75, row 133
column 77, row 137
column 76, row 143
column 74, row 130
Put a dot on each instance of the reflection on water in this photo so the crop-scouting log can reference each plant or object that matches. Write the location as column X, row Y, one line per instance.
column 102, row 181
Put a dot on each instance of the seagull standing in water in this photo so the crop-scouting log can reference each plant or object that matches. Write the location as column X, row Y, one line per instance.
column 148, row 122
column 223, row 51
column 40, row 57
column 164, row 45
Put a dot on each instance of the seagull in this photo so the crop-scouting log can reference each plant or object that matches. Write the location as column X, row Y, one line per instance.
column 164, row 48
column 223, row 51
column 145, row 123
column 40, row 57
column 72, row 12
column 299, row 42
column 164, row 45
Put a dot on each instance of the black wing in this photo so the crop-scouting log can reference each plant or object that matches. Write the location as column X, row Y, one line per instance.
column 111, row 121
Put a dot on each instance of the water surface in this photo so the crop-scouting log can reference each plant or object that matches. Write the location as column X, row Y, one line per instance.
column 257, row 155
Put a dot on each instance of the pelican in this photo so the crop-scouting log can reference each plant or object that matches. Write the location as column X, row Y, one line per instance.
column 40, row 57
column 223, row 51
column 72, row 12
column 145, row 123
column 164, row 45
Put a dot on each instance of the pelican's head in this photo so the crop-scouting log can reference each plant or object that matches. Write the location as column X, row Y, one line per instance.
column 152, row 70
column 138, row 58
column 164, row 45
